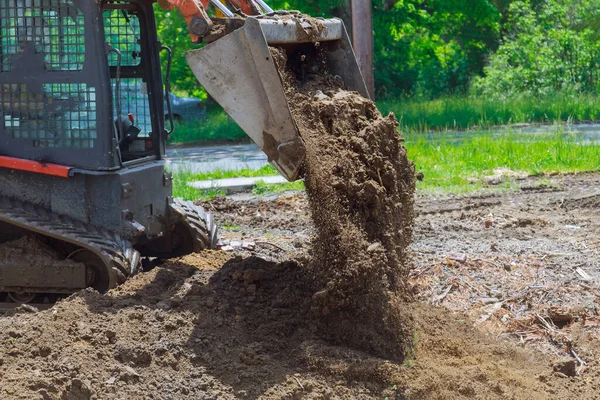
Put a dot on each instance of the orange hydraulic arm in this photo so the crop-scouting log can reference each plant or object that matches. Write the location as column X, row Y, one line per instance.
column 194, row 13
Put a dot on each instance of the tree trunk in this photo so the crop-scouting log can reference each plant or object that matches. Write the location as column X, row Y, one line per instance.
column 362, row 40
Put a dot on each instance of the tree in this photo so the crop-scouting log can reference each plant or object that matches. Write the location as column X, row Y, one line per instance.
column 549, row 47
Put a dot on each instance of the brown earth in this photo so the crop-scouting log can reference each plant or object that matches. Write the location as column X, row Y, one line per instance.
column 360, row 188
column 220, row 325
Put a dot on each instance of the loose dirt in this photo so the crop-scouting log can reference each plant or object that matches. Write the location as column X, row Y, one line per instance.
column 218, row 325
column 360, row 187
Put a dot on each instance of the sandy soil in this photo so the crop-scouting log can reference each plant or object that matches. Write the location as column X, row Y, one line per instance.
column 222, row 325
column 360, row 186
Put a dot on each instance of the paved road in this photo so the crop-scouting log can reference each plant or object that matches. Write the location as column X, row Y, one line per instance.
column 208, row 159
column 583, row 133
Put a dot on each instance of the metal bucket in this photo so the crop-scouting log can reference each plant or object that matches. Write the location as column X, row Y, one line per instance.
column 240, row 74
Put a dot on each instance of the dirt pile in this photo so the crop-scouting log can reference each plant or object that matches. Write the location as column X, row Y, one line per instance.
column 360, row 187
column 214, row 327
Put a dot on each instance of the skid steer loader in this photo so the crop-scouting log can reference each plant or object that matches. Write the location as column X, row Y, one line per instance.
column 84, row 193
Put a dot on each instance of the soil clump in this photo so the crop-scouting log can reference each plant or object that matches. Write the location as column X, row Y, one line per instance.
column 360, row 187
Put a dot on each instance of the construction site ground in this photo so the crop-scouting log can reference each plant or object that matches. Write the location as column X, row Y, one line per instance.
column 506, row 286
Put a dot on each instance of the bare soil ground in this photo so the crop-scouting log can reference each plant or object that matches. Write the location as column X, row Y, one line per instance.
column 505, row 285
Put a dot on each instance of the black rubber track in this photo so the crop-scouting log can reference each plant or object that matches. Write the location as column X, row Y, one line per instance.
column 119, row 257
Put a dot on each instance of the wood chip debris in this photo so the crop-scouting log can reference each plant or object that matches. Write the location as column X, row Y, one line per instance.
column 534, row 302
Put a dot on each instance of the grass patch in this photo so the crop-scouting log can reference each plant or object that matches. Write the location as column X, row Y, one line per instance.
column 449, row 164
column 460, row 166
column 262, row 188
column 461, row 112
column 182, row 177
column 267, row 170
column 216, row 127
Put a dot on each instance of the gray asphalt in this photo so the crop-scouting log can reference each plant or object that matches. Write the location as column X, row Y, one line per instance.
column 198, row 159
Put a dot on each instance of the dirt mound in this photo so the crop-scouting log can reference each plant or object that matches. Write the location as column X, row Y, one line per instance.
column 360, row 187
column 215, row 327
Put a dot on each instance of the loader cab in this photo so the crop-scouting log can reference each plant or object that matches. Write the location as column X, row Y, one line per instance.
column 66, row 68
column 136, row 79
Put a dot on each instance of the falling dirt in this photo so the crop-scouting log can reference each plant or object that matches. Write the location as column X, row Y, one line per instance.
column 360, row 186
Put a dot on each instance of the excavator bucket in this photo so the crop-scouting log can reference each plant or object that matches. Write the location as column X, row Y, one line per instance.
column 238, row 71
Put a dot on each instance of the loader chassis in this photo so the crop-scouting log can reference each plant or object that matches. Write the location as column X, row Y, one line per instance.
column 81, row 88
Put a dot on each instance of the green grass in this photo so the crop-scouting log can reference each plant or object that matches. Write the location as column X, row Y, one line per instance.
column 182, row 177
column 453, row 112
column 464, row 112
column 217, row 127
column 452, row 167
column 262, row 188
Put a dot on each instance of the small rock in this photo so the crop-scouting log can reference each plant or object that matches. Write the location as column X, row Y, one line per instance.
column 111, row 380
column 488, row 224
column 320, row 295
column 111, row 335
column 319, row 95
column 460, row 257
column 26, row 308
column 573, row 227
column 129, row 374
column 78, row 389
column 489, row 300
column 235, row 244
column 341, row 94
column 227, row 248
column 373, row 247
column 163, row 305
column 567, row 367
column 251, row 246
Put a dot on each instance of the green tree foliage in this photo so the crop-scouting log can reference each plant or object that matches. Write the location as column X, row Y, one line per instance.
column 427, row 47
column 550, row 46
column 173, row 32
column 432, row 47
